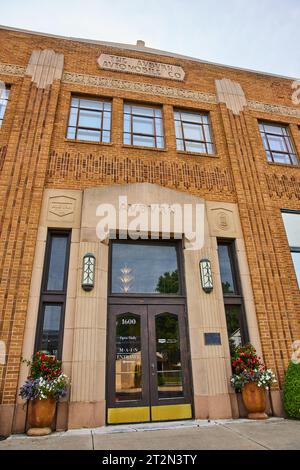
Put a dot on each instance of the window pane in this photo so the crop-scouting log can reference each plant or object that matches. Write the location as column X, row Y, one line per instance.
column 159, row 127
column 191, row 117
column 58, row 253
column 143, row 125
column 233, row 313
column 143, row 141
column 292, row 228
column 160, row 143
column 193, row 132
column 75, row 102
column 127, row 139
column 91, row 104
column 128, row 363
column 195, row 146
column 144, row 268
column 106, row 136
column 2, row 110
column 277, row 143
column 207, row 133
column 296, row 261
column 144, row 111
column 269, row 156
column 107, row 105
column 281, row 158
column 127, row 108
column 106, row 121
column 288, row 144
column 178, row 130
column 226, row 269
column 71, row 133
column 273, row 129
column 89, row 119
column 210, row 149
column 85, row 134
column 294, row 159
column 51, row 328
column 127, row 123
column 168, row 360
column 179, row 144
column 3, row 103
column 265, row 141
column 73, row 116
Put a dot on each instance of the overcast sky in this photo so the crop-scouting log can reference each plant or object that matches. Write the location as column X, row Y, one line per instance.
column 256, row 34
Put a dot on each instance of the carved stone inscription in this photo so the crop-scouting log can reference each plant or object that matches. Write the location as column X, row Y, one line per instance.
column 140, row 67
column 61, row 207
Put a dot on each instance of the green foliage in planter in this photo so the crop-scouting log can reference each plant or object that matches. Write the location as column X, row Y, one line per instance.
column 291, row 391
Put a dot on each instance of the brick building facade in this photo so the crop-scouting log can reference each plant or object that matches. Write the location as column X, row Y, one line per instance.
column 247, row 177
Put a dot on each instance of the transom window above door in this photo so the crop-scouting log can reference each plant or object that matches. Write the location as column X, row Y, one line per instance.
column 193, row 132
column 90, row 120
column 144, row 268
column 143, row 126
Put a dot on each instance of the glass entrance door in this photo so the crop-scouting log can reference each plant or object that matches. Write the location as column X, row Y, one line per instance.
column 148, row 373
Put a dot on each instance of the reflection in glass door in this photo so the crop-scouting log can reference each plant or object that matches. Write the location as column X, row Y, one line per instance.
column 147, row 364
column 128, row 366
column 168, row 357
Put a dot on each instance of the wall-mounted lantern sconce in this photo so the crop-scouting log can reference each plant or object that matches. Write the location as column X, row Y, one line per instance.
column 88, row 271
column 206, row 275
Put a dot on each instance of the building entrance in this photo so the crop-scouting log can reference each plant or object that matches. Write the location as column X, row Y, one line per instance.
column 148, row 368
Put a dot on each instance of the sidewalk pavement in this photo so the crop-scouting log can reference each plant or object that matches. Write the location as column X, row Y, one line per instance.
column 274, row 433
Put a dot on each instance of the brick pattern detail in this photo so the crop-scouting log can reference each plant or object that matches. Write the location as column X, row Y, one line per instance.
column 283, row 186
column 21, row 188
column 90, row 170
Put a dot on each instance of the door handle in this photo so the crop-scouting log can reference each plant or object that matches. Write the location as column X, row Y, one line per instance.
column 153, row 368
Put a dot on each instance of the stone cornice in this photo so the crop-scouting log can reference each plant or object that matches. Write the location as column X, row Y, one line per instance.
column 151, row 89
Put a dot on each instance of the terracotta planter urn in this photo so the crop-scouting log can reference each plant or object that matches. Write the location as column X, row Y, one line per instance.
column 40, row 416
column 255, row 400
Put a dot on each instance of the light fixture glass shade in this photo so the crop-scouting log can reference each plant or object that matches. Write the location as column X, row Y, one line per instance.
column 88, row 271
column 206, row 275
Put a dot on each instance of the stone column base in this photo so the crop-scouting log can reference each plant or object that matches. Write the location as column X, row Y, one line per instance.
column 6, row 419
column 213, row 407
column 86, row 415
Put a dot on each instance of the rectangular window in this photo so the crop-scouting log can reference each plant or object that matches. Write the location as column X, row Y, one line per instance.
column 291, row 220
column 50, row 326
column 278, row 143
column 143, row 126
column 193, row 132
column 234, row 306
column 4, row 95
column 90, row 120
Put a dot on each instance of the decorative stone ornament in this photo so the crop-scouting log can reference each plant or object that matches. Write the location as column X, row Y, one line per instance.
column 206, row 275
column 88, row 272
